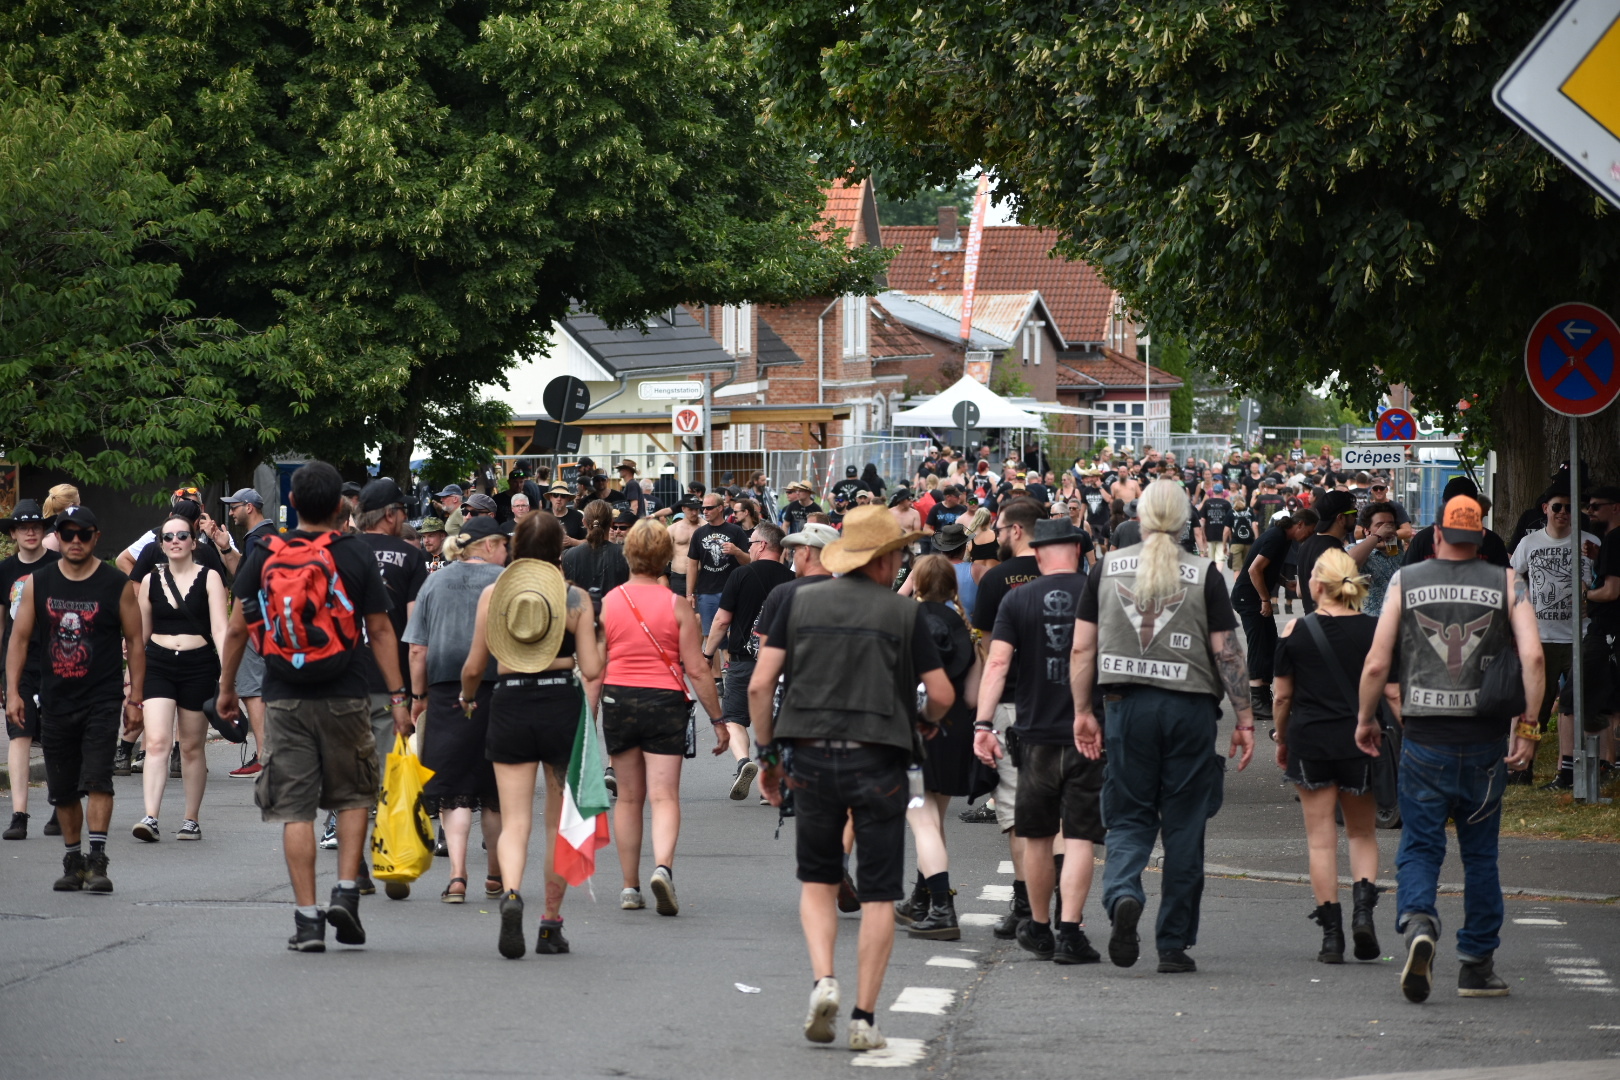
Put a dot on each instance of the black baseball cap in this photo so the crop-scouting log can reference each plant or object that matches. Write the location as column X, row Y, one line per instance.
column 350, row 488
column 76, row 515
column 477, row 528
column 380, row 494
column 849, row 470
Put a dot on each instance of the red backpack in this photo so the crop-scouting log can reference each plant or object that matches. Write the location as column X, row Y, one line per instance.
column 308, row 627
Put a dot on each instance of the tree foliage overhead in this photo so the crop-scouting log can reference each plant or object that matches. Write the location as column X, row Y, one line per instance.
column 1306, row 190
column 416, row 190
column 104, row 372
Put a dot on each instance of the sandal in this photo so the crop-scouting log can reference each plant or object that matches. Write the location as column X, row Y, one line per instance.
column 449, row 897
column 493, row 889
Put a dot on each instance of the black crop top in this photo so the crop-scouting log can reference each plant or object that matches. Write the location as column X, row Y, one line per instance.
column 984, row 552
column 191, row 617
column 567, row 646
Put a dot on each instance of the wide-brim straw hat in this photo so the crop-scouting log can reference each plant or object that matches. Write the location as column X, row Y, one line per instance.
column 528, row 612
column 869, row 533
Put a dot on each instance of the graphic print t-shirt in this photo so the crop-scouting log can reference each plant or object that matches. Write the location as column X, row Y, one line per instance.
column 1544, row 564
column 81, row 636
column 708, row 547
column 14, row 575
column 1038, row 622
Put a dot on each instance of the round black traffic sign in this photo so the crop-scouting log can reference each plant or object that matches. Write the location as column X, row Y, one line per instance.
column 966, row 414
column 566, row 399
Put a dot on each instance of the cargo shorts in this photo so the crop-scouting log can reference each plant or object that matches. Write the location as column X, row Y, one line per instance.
column 318, row 753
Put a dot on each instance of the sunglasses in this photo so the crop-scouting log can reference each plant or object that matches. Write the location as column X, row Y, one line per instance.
column 1558, row 508
column 176, row 536
column 1598, row 505
column 70, row 534
column 619, row 528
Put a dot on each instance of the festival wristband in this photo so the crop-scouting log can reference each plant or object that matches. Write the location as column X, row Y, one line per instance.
column 984, row 725
column 1527, row 732
column 769, row 754
column 1240, row 727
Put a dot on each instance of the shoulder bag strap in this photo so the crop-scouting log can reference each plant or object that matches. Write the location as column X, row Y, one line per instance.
column 675, row 670
column 180, row 607
column 1314, row 628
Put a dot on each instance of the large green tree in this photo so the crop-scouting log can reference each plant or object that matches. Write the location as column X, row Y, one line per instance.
column 415, row 190
column 1310, row 191
column 104, row 370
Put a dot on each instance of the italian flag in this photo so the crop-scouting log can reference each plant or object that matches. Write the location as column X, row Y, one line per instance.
column 584, row 825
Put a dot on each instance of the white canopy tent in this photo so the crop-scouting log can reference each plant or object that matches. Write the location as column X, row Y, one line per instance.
column 995, row 411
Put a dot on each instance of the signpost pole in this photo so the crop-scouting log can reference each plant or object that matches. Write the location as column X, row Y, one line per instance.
column 1586, row 757
column 708, row 432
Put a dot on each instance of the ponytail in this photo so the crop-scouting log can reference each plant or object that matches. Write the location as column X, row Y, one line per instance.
column 598, row 515
column 1162, row 510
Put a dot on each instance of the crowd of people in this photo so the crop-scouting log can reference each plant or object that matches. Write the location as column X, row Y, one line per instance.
column 1057, row 645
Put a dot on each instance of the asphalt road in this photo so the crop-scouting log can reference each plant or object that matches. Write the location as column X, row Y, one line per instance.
column 182, row 972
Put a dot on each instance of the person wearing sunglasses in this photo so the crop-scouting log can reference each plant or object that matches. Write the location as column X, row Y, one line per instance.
column 81, row 607
column 1337, row 511
column 1543, row 561
column 183, row 619
column 716, row 549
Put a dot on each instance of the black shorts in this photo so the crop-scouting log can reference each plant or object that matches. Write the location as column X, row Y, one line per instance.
column 829, row 785
column 1058, row 788
column 1602, row 695
column 677, row 583
column 641, row 717
column 734, row 705
column 187, row 678
column 1260, row 637
column 30, row 724
column 78, row 746
column 1353, row 776
column 533, row 718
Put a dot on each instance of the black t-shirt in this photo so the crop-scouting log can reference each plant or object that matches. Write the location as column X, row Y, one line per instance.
column 1273, row 544
column 1322, row 719
column 573, row 523
column 207, row 554
column 940, row 515
column 634, row 498
column 357, row 572
column 1217, row 605
column 1217, row 517
column 1606, row 616
column 80, row 635
column 997, row 582
column 597, row 570
column 924, row 653
column 793, row 518
column 744, row 597
column 1263, row 506
column 779, row 595
column 1039, row 493
column 1038, row 622
column 708, row 549
column 14, row 575
column 404, row 569
column 847, row 489
column 1493, row 550
column 1309, row 552
column 1098, row 507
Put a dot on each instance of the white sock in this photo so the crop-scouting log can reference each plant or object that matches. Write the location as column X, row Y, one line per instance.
column 308, row 912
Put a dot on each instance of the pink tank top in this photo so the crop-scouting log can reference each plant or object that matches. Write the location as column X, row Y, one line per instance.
column 632, row 659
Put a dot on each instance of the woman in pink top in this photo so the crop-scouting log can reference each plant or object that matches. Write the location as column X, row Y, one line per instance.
column 653, row 643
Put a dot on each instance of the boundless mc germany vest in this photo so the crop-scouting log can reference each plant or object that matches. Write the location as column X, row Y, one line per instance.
column 1163, row 644
column 1454, row 620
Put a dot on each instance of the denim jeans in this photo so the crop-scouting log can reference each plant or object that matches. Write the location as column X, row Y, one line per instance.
column 1464, row 783
column 1161, row 778
column 707, row 605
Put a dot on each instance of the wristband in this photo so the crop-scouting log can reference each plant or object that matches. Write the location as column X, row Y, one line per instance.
column 1240, row 727
column 1527, row 732
column 984, row 725
column 397, row 699
column 708, row 656
column 769, row 754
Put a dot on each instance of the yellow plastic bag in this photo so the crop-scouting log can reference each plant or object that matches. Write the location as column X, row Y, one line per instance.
column 402, row 842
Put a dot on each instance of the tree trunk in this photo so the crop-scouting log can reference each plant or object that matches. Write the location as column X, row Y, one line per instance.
column 1522, row 454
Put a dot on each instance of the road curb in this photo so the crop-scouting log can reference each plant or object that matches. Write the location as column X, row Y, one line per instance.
column 1387, row 883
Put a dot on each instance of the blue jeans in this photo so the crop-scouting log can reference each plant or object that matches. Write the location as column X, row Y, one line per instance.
column 1464, row 783
column 707, row 605
column 1162, row 777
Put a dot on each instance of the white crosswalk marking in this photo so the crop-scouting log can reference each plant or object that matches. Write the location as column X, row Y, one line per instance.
column 933, row 1000
column 997, row 894
column 950, row 962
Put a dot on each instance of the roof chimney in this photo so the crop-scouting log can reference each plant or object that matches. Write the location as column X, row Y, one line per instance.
column 947, row 226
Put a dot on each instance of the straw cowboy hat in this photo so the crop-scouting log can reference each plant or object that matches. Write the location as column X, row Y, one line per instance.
column 869, row 532
column 528, row 612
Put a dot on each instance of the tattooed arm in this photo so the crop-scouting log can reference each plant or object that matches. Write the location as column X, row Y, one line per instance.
column 1527, row 639
column 1375, row 669
column 1234, row 672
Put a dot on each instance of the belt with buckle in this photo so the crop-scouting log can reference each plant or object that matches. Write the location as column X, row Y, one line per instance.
column 559, row 679
column 832, row 744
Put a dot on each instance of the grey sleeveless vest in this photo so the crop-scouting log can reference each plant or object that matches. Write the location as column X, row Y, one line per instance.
column 1165, row 645
column 1454, row 619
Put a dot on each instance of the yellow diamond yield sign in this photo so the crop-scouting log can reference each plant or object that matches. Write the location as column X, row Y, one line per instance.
column 1564, row 89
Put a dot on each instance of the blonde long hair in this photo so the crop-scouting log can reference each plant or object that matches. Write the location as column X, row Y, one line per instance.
column 1342, row 580
column 1162, row 510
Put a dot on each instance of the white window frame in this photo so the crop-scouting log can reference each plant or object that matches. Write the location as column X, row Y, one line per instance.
column 854, row 320
column 737, row 328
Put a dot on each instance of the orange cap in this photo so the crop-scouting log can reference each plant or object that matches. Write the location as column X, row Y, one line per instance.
column 1462, row 523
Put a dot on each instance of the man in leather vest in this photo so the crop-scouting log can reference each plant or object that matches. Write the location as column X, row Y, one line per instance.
column 1156, row 629
column 852, row 654
column 1448, row 619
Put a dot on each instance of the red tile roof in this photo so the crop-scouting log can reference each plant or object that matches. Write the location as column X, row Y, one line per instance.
column 1114, row 370
column 844, row 208
column 891, row 339
column 1014, row 258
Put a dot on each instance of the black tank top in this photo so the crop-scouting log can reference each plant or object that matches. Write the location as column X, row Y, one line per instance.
column 984, row 552
column 81, row 634
column 192, row 615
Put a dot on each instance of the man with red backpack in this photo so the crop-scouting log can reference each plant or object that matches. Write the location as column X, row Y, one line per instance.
column 311, row 599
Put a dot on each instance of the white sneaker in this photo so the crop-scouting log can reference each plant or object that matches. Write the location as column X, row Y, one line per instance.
column 864, row 1035
column 663, row 890
column 746, row 771
column 630, row 900
column 147, row 829
column 818, row 1026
